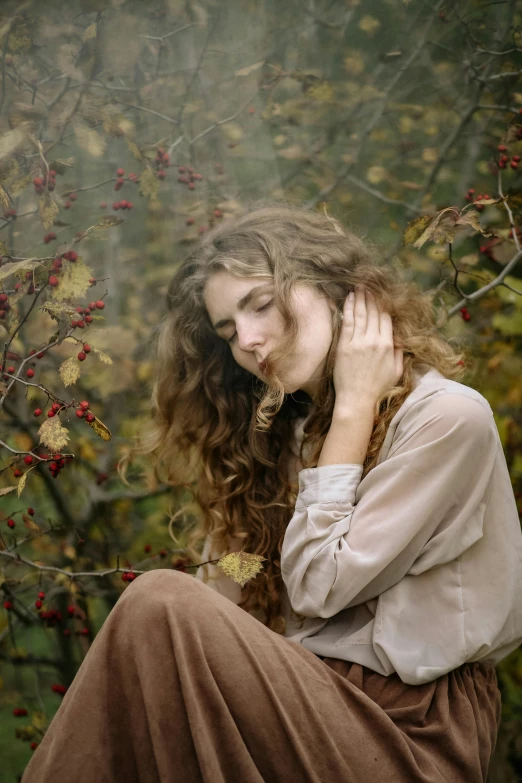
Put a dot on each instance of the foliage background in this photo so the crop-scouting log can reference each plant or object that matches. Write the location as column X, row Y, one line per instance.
column 383, row 110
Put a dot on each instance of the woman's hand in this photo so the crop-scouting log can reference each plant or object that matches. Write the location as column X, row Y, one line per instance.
column 367, row 364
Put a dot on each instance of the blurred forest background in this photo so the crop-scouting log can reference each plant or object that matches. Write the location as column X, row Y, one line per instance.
column 128, row 128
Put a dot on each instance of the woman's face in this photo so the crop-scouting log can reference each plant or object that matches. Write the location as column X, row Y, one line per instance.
column 254, row 327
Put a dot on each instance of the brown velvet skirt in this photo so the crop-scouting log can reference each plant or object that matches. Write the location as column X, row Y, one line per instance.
column 182, row 685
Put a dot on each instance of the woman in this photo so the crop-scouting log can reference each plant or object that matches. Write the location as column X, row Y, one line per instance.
column 365, row 648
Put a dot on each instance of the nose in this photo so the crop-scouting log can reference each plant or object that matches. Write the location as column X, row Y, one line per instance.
column 248, row 337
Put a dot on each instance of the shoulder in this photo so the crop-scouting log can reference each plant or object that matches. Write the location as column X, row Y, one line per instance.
column 442, row 408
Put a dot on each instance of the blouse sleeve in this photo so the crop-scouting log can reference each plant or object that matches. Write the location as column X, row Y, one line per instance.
column 350, row 540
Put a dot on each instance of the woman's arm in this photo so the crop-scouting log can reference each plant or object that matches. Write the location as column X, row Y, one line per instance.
column 337, row 552
column 349, row 435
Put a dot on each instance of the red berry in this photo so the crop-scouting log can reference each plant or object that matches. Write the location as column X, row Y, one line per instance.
column 120, row 172
column 92, row 280
column 53, row 280
column 87, row 348
column 116, row 205
column 82, row 356
column 501, row 148
column 37, row 412
column 30, row 372
column 73, row 196
column 39, row 355
column 50, row 414
column 28, row 459
column 516, row 158
column 100, row 304
column 147, row 548
column 84, row 405
column 80, row 414
column 218, row 213
column 19, row 712
column 59, row 689
column 38, row 182
column 10, row 523
column 514, row 164
column 11, row 370
column 33, row 745
column 119, row 184
column 162, row 174
column 191, row 186
column 41, row 594
column 38, row 604
column 90, row 418
column 8, row 605
column 88, row 319
column 71, row 610
column 55, row 406
column 17, row 473
column 80, row 324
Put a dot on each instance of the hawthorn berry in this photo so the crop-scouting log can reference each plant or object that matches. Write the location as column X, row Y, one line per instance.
column 80, row 414
column 147, row 548
column 28, row 459
column 88, row 319
column 8, row 605
column 80, row 324
column 120, row 172
column 90, row 418
column 30, row 373
column 84, row 405
column 162, row 174
column 17, row 473
column 61, row 689
column 51, row 413
column 11, row 523
column 82, row 356
column 37, row 412
column 100, row 304
column 41, row 594
column 39, row 355
column 11, row 369
column 33, row 745
column 38, row 604
column 465, row 314
column 19, row 712
column 53, row 280
column 501, row 148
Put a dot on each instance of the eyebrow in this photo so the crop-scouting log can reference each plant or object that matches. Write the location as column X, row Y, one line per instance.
column 243, row 303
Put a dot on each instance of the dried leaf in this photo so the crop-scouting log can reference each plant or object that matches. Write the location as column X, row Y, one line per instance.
column 48, row 209
column 249, row 68
column 6, row 490
column 30, row 525
column 53, row 435
column 442, row 227
column 100, row 428
column 70, row 370
column 471, row 218
column 4, row 250
column 240, row 566
column 415, row 228
column 108, row 221
column 5, row 201
column 90, row 32
column 16, row 266
column 19, row 185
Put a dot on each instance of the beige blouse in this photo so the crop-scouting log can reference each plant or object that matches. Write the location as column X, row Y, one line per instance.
column 417, row 568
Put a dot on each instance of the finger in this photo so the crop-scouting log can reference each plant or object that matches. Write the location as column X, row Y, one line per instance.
column 360, row 314
column 348, row 315
column 386, row 326
column 372, row 316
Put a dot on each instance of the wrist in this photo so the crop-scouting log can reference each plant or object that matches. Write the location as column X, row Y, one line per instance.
column 346, row 408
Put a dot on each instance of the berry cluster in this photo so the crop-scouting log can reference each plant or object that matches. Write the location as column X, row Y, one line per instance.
column 465, row 314
column 19, row 712
column 45, row 182
column 4, row 306
column 83, row 411
column 162, row 161
column 82, row 355
column 504, row 159
column 86, row 312
column 70, row 200
column 189, row 178
column 122, row 204
column 470, row 196
column 128, row 576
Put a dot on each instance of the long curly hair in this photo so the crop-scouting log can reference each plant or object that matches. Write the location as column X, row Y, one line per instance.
column 225, row 435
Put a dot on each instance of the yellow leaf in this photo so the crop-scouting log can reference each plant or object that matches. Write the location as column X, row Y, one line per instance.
column 53, row 435
column 442, row 228
column 369, row 24
column 100, row 428
column 39, row 720
column 70, row 552
column 48, row 209
column 148, row 184
column 21, row 483
column 233, row 131
column 30, row 525
column 70, row 371
column 240, row 566
column 376, row 174
column 415, row 228
column 90, row 32
column 74, row 281
column 13, row 139
column 131, row 144
column 89, row 139
column 102, row 356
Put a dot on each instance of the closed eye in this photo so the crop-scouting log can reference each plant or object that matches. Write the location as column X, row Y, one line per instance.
column 265, row 307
